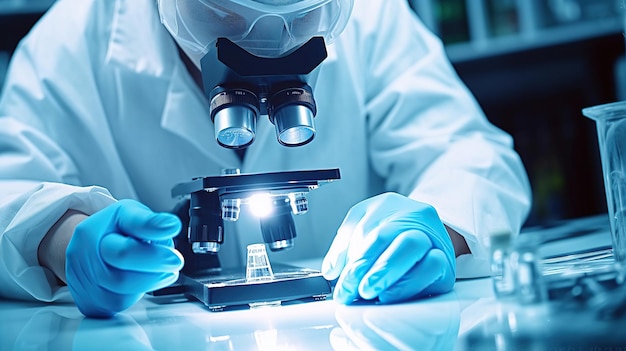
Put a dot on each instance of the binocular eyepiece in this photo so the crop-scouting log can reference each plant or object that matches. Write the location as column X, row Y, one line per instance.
column 234, row 113
column 240, row 87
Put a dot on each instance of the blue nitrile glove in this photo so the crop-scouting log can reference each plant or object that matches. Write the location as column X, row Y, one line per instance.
column 391, row 248
column 118, row 254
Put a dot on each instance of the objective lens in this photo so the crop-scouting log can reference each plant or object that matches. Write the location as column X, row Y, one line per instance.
column 206, row 226
column 279, row 229
column 299, row 203
column 231, row 207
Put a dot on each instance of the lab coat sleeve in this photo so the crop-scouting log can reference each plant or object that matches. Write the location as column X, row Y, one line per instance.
column 39, row 180
column 431, row 141
column 26, row 216
column 32, row 198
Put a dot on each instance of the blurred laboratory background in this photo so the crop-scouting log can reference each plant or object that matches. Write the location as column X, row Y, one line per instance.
column 532, row 65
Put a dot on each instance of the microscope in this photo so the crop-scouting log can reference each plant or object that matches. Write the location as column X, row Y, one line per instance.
column 240, row 88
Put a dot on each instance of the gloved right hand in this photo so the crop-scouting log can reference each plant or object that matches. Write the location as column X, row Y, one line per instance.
column 391, row 248
column 118, row 254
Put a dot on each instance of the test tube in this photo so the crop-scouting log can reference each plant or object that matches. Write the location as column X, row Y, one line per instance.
column 258, row 267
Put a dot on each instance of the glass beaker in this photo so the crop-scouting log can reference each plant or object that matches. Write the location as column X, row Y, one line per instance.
column 611, row 126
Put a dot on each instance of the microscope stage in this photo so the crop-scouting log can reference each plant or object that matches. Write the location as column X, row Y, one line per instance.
column 228, row 289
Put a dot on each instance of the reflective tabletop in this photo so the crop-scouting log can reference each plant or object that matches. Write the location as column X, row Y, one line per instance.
column 468, row 318
column 164, row 324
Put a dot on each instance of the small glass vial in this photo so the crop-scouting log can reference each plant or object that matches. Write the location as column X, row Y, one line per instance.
column 527, row 271
column 502, row 271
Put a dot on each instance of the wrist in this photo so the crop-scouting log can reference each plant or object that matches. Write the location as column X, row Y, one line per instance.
column 458, row 242
column 51, row 251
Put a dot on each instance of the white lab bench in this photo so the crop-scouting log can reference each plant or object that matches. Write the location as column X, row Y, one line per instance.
column 469, row 318
column 159, row 324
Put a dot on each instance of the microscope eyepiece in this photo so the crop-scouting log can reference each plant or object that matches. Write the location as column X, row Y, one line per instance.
column 242, row 87
column 292, row 112
column 234, row 113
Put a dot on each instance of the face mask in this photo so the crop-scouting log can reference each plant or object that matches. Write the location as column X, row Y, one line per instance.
column 265, row 28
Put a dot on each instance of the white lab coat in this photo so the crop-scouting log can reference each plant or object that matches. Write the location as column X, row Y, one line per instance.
column 98, row 106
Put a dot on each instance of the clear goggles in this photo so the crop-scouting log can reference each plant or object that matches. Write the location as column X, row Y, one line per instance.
column 263, row 28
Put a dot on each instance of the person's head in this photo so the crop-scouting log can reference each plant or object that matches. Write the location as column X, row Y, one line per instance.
column 266, row 28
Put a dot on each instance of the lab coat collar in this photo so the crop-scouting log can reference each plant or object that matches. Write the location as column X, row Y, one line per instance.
column 141, row 44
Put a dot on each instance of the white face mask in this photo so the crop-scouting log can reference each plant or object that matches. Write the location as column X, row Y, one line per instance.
column 277, row 2
column 266, row 28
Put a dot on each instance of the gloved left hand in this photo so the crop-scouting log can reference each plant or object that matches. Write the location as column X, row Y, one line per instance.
column 392, row 248
column 118, row 254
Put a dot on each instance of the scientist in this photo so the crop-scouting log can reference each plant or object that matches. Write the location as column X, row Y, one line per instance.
column 102, row 113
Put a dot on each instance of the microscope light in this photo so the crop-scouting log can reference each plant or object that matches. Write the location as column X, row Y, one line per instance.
column 261, row 204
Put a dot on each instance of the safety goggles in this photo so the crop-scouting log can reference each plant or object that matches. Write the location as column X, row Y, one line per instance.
column 266, row 30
